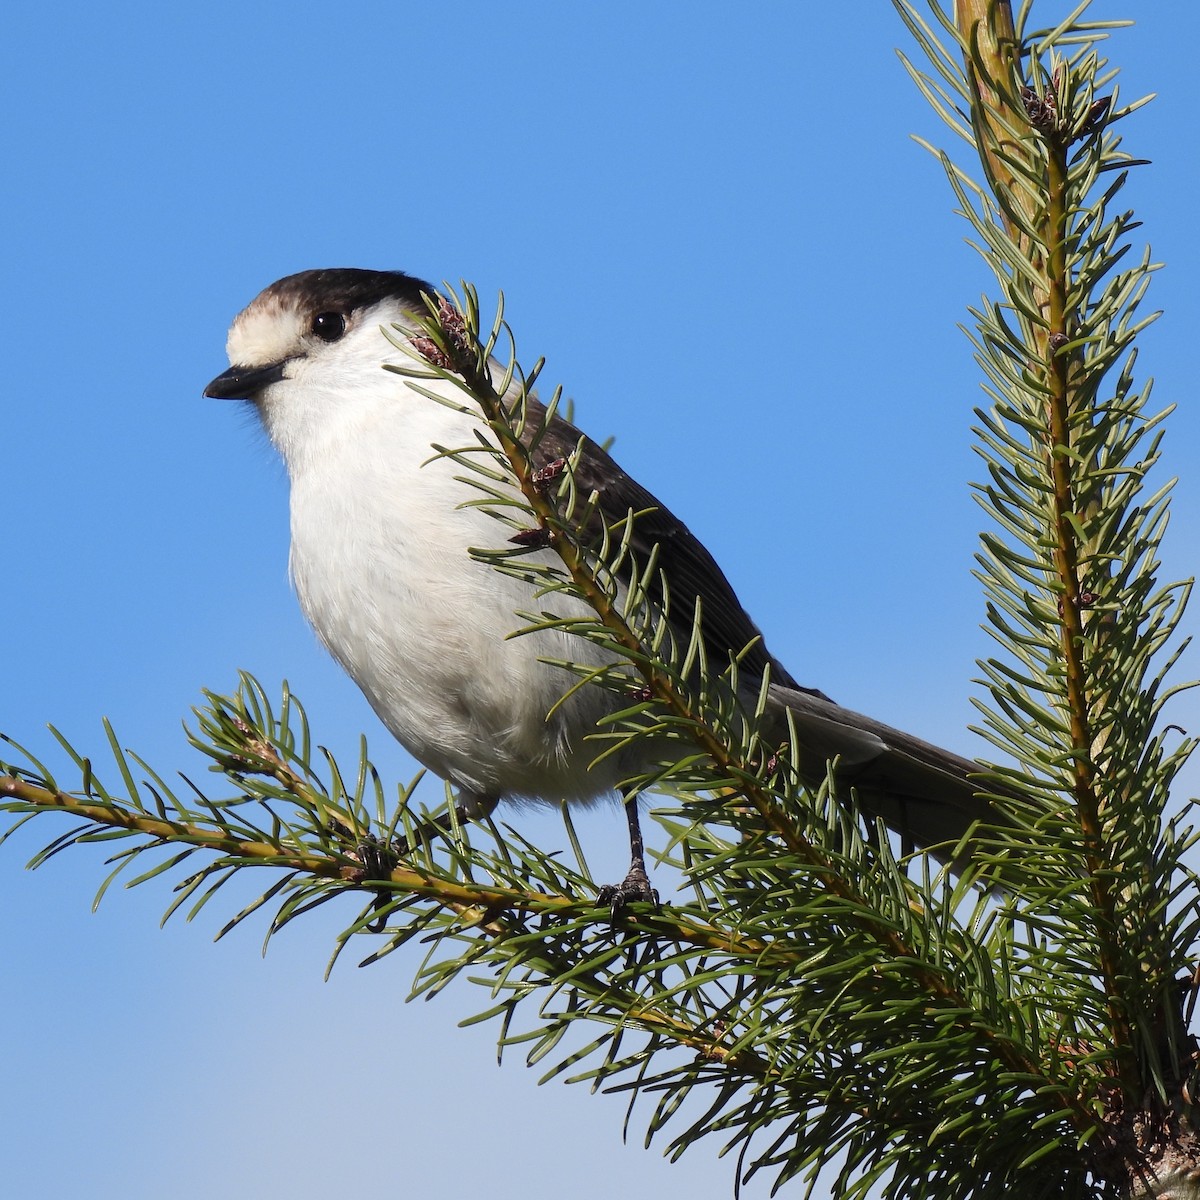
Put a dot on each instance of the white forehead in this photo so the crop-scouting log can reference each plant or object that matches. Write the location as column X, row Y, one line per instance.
column 277, row 323
column 269, row 329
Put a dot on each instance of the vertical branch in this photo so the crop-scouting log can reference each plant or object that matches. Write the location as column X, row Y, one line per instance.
column 1023, row 133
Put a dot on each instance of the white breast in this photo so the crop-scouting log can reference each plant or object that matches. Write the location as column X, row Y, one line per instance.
column 380, row 561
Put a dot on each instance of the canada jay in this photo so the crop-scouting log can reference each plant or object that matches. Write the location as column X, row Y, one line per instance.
column 381, row 563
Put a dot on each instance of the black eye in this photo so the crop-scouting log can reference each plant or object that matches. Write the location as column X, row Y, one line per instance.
column 329, row 326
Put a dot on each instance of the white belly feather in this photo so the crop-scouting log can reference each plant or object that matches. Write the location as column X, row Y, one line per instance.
column 421, row 627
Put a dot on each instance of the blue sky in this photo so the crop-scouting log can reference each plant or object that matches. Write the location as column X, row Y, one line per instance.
column 713, row 224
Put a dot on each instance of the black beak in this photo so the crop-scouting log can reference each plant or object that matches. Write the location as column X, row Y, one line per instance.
column 244, row 383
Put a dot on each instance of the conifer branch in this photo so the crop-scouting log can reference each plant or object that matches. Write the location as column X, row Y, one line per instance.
column 1033, row 143
column 843, row 1006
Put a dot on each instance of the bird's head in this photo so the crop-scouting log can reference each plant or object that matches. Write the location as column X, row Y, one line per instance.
column 308, row 350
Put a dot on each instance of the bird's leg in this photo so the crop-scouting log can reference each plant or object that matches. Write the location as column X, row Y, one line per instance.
column 379, row 858
column 636, row 885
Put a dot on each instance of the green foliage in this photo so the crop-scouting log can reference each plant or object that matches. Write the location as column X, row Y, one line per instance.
column 812, row 1001
column 1086, row 632
column 819, row 1003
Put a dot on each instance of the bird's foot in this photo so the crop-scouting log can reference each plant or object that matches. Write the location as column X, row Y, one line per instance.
column 633, row 889
column 378, row 860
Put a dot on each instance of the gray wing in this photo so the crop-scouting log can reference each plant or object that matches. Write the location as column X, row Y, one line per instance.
column 926, row 794
column 691, row 571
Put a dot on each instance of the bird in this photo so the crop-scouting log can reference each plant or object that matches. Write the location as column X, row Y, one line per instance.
column 382, row 532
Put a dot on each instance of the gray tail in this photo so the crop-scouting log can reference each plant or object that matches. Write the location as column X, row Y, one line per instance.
column 930, row 796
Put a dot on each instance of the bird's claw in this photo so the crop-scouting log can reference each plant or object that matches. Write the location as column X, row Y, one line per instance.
column 378, row 859
column 633, row 889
